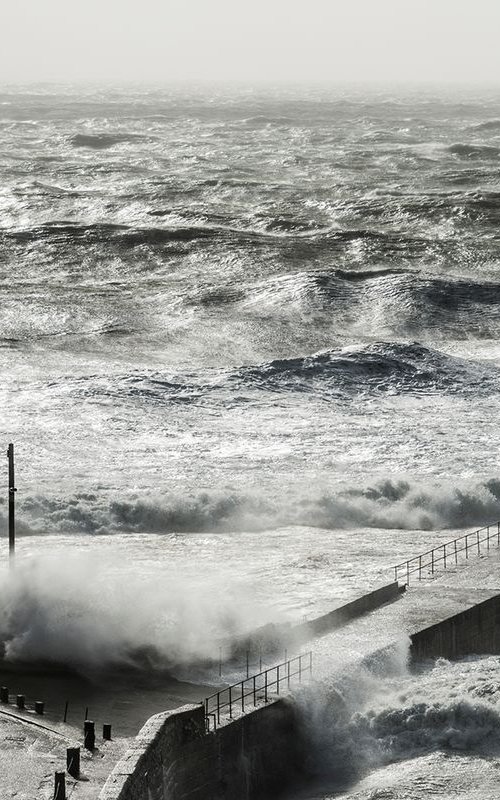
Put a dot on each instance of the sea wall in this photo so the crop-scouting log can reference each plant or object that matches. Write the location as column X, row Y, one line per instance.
column 255, row 756
column 271, row 637
column 473, row 631
column 342, row 615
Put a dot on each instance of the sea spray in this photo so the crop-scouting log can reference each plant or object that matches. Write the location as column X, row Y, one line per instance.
column 87, row 613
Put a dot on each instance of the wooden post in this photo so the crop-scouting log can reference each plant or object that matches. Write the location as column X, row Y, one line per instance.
column 39, row 707
column 60, row 786
column 12, row 491
column 73, row 761
column 20, row 701
column 4, row 694
column 106, row 732
column 89, row 735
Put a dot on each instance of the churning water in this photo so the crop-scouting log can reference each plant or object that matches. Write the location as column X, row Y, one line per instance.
column 253, row 337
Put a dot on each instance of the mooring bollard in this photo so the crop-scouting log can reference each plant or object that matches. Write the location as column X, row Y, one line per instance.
column 20, row 700
column 4, row 694
column 89, row 735
column 60, row 786
column 73, row 761
column 39, row 706
column 106, row 732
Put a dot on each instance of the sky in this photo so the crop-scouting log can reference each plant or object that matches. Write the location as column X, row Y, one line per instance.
column 251, row 40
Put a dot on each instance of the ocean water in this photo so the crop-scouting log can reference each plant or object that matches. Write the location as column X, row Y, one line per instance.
column 250, row 355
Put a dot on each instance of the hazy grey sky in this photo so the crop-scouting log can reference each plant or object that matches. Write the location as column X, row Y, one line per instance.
column 334, row 40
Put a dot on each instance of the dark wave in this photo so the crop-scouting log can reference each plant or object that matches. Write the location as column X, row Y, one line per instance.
column 102, row 141
column 383, row 367
column 61, row 231
column 489, row 125
column 464, row 150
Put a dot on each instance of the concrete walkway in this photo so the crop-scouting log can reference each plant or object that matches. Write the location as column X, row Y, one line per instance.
column 30, row 754
column 423, row 604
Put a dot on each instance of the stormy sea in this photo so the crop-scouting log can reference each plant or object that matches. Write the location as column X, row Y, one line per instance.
column 250, row 358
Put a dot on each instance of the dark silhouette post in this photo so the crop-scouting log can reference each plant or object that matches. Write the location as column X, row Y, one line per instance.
column 12, row 491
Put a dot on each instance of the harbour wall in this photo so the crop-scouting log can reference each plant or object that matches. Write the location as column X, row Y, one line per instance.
column 258, row 754
column 174, row 756
column 473, row 631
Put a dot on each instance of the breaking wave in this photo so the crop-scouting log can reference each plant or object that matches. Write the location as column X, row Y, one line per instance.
column 388, row 504
column 360, row 720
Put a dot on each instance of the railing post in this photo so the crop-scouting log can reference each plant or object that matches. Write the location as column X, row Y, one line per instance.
column 444, row 556
column 218, row 708
column 466, row 545
column 278, row 679
column 11, row 497
column 420, row 568
column 456, row 554
column 310, row 662
column 407, row 573
column 265, row 686
column 300, row 669
column 488, row 539
column 254, row 695
column 288, row 673
column 432, row 562
column 478, row 543
column 498, row 533
column 230, row 703
column 396, row 574
column 242, row 697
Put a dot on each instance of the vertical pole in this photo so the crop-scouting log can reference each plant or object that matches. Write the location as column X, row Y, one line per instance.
column 12, row 491
column 432, row 562
column 230, row 703
column 420, row 568
column 248, row 663
column 456, row 555
column 300, row 669
column 407, row 573
column 218, row 708
column 478, row 543
column 288, row 673
column 488, row 539
column 311, row 662
column 242, row 696
column 466, row 545
column 278, row 679
column 265, row 686
column 395, row 574
column 254, row 695
column 444, row 555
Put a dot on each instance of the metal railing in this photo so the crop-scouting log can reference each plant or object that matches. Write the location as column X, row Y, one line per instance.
column 257, row 687
column 447, row 553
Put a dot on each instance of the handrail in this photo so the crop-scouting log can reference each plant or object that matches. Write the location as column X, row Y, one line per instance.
column 449, row 551
column 236, row 694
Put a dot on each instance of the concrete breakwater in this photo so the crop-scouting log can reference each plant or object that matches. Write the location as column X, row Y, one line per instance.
column 174, row 757
column 261, row 753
